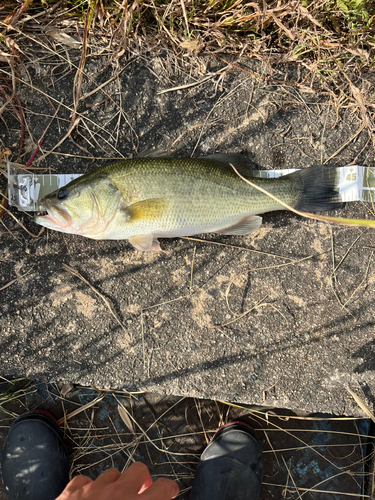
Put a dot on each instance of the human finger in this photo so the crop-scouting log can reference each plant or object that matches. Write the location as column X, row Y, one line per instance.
column 75, row 484
column 109, row 476
column 135, row 478
column 161, row 489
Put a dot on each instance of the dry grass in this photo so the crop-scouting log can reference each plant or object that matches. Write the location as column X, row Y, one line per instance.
column 331, row 38
column 112, row 429
column 322, row 32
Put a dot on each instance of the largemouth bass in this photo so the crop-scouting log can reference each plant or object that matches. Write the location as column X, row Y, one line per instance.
column 144, row 199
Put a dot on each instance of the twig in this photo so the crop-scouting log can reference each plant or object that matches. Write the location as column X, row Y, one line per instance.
column 20, row 223
column 15, row 279
column 79, row 410
column 241, row 315
column 192, row 269
column 238, row 248
column 346, row 143
column 31, row 159
column 345, row 255
column 361, row 283
column 104, row 299
column 70, row 128
column 194, row 84
column 314, row 490
column 266, row 78
column 260, row 269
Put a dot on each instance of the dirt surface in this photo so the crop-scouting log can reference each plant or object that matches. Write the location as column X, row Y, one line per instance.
column 308, row 334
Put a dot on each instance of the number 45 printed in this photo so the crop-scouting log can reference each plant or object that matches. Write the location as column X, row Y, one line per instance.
column 351, row 177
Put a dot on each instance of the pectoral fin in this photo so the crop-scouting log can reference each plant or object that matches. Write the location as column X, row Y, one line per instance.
column 145, row 243
column 147, row 209
column 246, row 225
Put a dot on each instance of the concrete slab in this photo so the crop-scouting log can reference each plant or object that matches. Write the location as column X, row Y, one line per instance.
column 297, row 347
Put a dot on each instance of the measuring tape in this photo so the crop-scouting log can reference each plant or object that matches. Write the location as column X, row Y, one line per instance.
column 26, row 189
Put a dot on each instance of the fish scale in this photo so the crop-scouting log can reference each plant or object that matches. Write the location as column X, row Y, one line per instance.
column 142, row 199
column 199, row 192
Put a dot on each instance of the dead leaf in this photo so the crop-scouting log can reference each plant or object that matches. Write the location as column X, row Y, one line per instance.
column 307, row 14
column 361, row 404
column 5, row 57
column 64, row 39
column 362, row 107
column 124, row 414
column 66, row 388
column 5, row 153
column 193, row 45
column 360, row 53
column 282, row 26
column 12, row 18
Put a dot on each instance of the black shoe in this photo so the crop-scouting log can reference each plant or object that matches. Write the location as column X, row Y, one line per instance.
column 34, row 461
column 230, row 467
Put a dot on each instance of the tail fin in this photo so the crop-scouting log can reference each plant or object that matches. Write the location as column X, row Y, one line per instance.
column 317, row 188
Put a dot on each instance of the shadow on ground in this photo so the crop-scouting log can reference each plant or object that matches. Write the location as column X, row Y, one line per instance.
column 307, row 287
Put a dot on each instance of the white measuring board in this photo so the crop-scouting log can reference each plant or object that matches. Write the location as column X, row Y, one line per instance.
column 356, row 183
column 26, row 189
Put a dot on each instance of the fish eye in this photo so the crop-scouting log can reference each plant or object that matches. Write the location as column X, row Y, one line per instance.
column 62, row 194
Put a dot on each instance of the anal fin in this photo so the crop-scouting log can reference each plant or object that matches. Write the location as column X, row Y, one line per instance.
column 246, row 225
column 145, row 243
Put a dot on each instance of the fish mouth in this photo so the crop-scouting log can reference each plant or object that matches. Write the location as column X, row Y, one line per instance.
column 57, row 217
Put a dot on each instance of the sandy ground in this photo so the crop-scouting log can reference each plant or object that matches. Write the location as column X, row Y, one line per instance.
column 308, row 335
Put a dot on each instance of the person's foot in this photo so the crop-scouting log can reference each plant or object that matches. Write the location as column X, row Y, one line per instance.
column 34, row 461
column 231, row 466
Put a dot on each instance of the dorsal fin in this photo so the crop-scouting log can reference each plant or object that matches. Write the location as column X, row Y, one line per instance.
column 152, row 153
column 242, row 164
